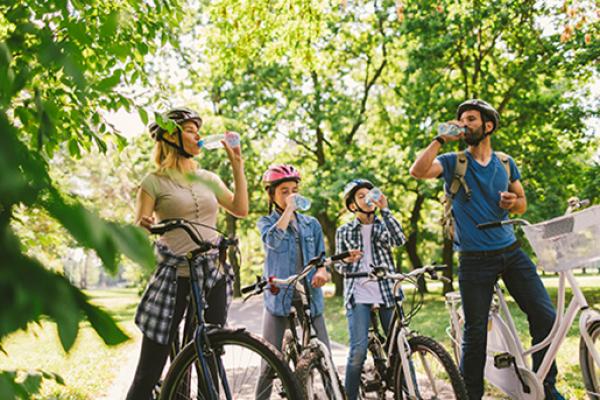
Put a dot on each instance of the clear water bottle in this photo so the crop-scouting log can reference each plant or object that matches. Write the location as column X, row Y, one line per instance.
column 214, row 141
column 372, row 196
column 302, row 203
column 450, row 129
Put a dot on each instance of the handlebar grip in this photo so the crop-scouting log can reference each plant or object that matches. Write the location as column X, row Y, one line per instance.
column 440, row 267
column 356, row 274
column 340, row 256
column 249, row 288
column 489, row 225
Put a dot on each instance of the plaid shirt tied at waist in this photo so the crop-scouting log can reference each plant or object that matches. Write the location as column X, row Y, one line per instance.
column 157, row 307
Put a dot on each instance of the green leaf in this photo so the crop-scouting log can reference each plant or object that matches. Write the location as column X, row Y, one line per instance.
column 102, row 322
column 74, row 148
column 143, row 115
column 107, row 84
column 110, row 23
column 32, row 383
column 133, row 242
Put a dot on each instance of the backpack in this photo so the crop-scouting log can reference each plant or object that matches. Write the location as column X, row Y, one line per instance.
column 458, row 181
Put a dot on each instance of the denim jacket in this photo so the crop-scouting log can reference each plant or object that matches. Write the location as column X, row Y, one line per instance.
column 281, row 256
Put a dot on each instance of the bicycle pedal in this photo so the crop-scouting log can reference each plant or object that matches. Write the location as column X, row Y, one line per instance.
column 503, row 360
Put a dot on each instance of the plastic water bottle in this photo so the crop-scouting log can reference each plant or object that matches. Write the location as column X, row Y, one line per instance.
column 302, row 203
column 372, row 196
column 214, row 141
column 450, row 129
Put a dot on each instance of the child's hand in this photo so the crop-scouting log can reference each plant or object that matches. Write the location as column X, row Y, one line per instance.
column 290, row 202
column 382, row 202
column 320, row 278
column 354, row 256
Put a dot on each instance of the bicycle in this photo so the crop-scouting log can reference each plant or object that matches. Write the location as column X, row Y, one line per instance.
column 561, row 244
column 310, row 357
column 406, row 364
column 218, row 362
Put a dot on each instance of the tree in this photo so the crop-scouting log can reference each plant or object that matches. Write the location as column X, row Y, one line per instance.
column 60, row 63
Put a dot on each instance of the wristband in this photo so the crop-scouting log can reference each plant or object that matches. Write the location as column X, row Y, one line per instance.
column 440, row 140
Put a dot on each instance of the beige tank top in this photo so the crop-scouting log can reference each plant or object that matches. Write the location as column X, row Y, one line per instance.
column 175, row 196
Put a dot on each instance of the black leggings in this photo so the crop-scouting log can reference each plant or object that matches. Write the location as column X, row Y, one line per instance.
column 154, row 355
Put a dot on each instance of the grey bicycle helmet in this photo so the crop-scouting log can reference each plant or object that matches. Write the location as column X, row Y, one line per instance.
column 488, row 113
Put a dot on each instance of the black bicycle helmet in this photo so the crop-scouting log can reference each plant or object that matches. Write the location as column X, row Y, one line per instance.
column 488, row 113
column 352, row 187
column 179, row 116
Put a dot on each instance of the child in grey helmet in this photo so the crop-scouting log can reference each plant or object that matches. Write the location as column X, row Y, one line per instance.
column 369, row 239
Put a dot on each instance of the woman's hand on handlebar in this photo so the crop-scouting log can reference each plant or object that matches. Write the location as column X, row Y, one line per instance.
column 320, row 278
column 355, row 255
column 146, row 222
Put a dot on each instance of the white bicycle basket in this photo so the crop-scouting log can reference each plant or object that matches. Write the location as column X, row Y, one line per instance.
column 567, row 242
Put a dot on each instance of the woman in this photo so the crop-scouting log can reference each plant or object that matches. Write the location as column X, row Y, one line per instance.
column 370, row 240
column 290, row 239
column 170, row 193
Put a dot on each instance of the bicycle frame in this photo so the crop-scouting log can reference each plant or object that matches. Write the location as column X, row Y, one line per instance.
column 200, row 336
column 309, row 335
column 399, row 333
column 504, row 326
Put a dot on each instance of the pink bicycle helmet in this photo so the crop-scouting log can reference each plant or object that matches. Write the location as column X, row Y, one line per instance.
column 277, row 174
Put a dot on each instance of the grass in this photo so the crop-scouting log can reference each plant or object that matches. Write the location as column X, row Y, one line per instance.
column 89, row 365
column 432, row 320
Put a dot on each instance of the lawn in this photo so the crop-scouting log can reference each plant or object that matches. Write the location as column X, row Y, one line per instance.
column 432, row 320
column 89, row 365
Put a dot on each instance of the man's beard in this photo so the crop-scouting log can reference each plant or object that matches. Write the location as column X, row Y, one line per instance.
column 474, row 137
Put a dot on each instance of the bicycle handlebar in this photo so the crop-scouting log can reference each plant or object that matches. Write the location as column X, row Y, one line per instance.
column 574, row 204
column 167, row 225
column 380, row 273
column 317, row 262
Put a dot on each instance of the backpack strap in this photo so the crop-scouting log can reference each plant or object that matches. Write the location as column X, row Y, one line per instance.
column 504, row 158
column 458, row 180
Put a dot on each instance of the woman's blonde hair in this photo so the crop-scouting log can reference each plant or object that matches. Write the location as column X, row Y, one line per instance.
column 168, row 157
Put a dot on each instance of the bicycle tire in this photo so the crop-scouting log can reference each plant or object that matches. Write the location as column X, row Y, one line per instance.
column 237, row 345
column 590, row 371
column 313, row 376
column 288, row 349
column 448, row 386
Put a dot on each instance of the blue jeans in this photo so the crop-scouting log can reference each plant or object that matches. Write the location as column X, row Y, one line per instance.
column 477, row 276
column 359, row 320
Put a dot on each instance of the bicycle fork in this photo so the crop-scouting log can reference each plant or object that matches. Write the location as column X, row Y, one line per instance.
column 330, row 367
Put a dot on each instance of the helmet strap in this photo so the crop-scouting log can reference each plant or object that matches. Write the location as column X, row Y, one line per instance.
column 179, row 147
column 369, row 214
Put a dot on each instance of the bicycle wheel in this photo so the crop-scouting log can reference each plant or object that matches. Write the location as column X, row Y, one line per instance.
column 589, row 369
column 241, row 354
column 432, row 372
column 314, row 377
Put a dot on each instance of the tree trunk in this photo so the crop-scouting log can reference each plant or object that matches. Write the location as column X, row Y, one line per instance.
column 411, row 243
column 329, row 228
column 232, row 258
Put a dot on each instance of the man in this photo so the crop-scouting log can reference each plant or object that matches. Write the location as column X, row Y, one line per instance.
column 484, row 255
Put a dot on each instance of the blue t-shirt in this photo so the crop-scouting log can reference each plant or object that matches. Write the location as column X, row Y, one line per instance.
column 486, row 183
